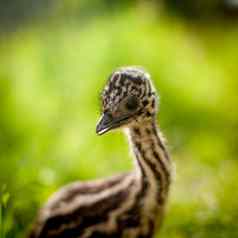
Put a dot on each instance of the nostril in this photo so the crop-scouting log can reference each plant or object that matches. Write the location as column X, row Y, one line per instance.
column 107, row 117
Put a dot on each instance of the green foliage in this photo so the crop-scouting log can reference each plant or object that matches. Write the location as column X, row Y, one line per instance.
column 50, row 79
column 4, row 198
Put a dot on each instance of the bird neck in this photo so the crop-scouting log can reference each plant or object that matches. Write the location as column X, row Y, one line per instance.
column 152, row 162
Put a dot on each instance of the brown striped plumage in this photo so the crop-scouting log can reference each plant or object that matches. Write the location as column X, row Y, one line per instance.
column 125, row 206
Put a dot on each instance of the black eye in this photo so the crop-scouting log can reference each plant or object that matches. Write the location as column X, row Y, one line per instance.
column 132, row 103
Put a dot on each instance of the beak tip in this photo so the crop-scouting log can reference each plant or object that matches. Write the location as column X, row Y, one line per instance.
column 98, row 132
column 98, row 129
column 103, row 125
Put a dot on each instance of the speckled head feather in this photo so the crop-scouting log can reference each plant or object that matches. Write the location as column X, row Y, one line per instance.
column 128, row 96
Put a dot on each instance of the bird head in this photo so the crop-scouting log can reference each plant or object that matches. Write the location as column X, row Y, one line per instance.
column 128, row 98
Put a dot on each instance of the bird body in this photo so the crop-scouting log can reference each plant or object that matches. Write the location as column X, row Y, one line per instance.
column 130, row 205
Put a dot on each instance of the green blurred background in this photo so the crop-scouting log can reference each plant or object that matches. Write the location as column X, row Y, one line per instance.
column 55, row 58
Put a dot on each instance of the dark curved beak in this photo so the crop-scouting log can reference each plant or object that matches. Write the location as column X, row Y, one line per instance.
column 107, row 123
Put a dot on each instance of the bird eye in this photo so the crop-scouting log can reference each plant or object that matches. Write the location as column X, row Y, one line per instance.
column 132, row 103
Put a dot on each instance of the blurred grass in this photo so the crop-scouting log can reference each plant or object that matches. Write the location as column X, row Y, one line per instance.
column 50, row 79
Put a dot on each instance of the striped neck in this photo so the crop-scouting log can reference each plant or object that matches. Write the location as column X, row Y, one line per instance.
column 151, row 157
